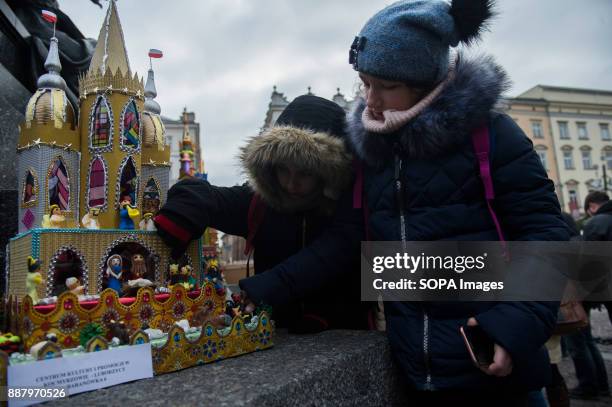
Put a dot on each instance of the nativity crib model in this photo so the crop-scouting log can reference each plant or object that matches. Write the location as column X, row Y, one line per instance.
column 87, row 251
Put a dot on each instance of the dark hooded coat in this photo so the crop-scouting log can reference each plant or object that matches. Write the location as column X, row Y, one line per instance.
column 301, row 256
column 442, row 198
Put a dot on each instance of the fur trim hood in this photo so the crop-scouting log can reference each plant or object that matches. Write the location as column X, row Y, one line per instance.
column 319, row 153
column 463, row 104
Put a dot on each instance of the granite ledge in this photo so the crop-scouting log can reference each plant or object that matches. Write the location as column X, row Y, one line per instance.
column 331, row 368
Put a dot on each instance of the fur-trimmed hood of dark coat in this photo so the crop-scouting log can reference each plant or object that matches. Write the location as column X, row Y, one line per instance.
column 318, row 153
column 463, row 105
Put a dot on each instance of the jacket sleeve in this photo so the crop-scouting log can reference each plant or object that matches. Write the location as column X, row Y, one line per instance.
column 528, row 209
column 194, row 204
column 525, row 199
column 331, row 256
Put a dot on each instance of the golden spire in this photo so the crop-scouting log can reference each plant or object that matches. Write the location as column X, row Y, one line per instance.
column 109, row 70
column 110, row 51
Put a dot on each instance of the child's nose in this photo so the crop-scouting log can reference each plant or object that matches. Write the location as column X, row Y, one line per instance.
column 372, row 99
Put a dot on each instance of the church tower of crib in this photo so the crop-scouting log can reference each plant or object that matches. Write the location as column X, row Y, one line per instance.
column 48, row 151
column 155, row 153
column 111, row 102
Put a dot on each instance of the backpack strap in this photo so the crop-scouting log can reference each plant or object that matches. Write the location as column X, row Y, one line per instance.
column 257, row 209
column 482, row 143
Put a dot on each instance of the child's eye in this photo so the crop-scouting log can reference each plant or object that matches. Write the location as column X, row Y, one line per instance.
column 390, row 87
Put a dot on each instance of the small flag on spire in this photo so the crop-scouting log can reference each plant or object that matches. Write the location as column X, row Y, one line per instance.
column 49, row 16
column 155, row 53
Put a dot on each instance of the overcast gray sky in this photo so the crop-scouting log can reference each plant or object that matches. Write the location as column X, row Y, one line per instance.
column 222, row 57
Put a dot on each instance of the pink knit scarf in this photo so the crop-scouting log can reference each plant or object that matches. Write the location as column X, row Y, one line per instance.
column 395, row 119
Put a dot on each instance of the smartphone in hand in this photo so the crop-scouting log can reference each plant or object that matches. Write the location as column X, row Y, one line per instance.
column 479, row 345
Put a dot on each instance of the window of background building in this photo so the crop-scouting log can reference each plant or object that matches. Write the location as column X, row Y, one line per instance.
column 587, row 163
column 607, row 156
column 541, row 150
column 536, row 128
column 604, row 129
column 582, row 131
column 574, row 203
column 563, row 130
column 568, row 159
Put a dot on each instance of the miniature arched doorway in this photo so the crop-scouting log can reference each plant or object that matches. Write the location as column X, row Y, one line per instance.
column 30, row 188
column 151, row 197
column 58, row 184
column 67, row 262
column 130, row 127
column 137, row 262
column 128, row 181
column 96, row 197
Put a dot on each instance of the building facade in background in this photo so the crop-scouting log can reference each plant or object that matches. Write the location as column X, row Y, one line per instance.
column 570, row 130
column 278, row 102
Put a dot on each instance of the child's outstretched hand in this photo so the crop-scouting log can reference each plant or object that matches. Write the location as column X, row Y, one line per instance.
column 502, row 361
column 178, row 247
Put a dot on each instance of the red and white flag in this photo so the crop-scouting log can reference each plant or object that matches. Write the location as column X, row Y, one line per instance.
column 155, row 53
column 49, row 16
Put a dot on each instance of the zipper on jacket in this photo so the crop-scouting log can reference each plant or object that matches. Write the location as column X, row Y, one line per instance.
column 302, row 302
column 428, row 384
column 303, row 231
column 399, row 193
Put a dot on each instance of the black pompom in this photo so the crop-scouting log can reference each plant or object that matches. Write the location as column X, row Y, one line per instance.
column 471, row 18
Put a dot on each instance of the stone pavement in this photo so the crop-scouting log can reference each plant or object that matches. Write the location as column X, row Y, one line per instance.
column 601, row 328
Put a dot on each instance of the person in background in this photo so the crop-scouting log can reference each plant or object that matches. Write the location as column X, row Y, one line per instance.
column 588, row 362
column 307, row 270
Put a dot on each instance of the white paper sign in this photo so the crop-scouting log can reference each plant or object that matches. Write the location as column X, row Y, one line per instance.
column 80, row 373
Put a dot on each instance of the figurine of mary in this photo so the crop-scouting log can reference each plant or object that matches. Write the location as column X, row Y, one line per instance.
column 114, row 266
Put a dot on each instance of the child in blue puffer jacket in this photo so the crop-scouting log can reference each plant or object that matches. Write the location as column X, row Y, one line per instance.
column 412, row 132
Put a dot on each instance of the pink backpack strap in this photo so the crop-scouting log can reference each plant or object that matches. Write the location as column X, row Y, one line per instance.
column 255, row 217
column 481, row 143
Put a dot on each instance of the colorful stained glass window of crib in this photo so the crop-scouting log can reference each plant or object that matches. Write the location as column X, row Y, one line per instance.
column 100, row 133
column 131, row 126
column 58, row 184
column 97, row 183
